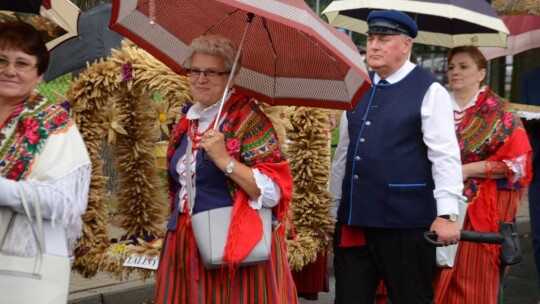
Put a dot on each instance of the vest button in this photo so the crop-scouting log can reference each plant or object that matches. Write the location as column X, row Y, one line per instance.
column 355, row 177
column 357, row 158
column 362, row 139
column 368, row 123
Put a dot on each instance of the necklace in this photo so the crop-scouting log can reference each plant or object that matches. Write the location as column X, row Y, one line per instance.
column 194, row 134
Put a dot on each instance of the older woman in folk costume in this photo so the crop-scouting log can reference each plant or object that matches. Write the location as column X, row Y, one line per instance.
column 496, row 157
column 41, row 149
column 239, row 165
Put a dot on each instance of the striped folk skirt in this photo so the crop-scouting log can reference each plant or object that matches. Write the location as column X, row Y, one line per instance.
column 182, row 277
column 476, row 277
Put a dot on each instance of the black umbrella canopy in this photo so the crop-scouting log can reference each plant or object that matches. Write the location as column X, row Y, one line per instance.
column 22, row 6
column 446, row 23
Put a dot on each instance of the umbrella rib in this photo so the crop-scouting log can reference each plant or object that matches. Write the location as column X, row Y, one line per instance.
column 223, row 19
column 270, row 41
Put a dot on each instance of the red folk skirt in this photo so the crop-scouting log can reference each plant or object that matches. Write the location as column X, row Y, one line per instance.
column 182, row 277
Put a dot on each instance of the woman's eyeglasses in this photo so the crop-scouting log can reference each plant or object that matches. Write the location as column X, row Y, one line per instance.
column 207, row 73
column 21, row 66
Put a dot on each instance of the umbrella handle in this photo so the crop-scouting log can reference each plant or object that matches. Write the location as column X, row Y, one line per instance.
column 468, row 236
column 431, row 238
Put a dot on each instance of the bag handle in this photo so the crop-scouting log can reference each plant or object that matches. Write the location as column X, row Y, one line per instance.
column 38, row 235
column 189, row 185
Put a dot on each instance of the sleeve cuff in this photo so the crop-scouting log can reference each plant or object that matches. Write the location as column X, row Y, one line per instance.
column 270, row 192
column 447, row 206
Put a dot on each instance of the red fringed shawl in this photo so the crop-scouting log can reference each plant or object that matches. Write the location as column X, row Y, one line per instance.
column 490, row 131
column 251, row 139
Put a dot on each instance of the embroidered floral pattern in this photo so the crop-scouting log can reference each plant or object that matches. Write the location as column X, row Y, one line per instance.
column 233, row 146
column 483, row 129
column 25, row 134
column 249, row 136
column 29, row 128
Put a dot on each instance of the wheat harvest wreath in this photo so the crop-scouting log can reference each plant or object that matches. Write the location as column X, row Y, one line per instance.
column 131, row 100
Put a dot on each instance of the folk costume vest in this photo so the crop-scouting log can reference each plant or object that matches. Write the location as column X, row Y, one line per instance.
column 388, row 180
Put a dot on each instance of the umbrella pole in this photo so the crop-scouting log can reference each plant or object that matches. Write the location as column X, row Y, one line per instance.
column 250, row 18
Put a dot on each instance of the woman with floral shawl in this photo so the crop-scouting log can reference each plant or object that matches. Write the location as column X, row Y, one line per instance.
column 496, row 158
column 41, row 149
column 240, row 165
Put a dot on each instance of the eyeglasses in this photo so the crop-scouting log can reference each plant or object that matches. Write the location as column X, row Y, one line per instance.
column 20, row 65
column 207, row 73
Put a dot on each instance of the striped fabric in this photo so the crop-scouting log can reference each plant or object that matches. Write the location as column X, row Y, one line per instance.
column 475, row 278
column 185, row 280
column 313, row 278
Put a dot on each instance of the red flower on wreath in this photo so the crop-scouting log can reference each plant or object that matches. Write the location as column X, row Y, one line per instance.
column 30, row 129
column 233, row 145
column 17, row 170
column 60, row 119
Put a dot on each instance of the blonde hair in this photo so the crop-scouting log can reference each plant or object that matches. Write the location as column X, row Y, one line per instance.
column 215, row 45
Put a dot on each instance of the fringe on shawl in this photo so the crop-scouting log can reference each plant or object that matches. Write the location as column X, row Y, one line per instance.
column 69, row 197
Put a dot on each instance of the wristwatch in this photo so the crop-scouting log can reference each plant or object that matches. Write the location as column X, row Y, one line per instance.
column 451, row 217
column 229, row 168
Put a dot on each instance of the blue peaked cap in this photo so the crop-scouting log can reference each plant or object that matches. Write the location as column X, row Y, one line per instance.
column 391, row 22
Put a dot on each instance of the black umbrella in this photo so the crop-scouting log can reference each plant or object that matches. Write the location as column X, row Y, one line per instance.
column 95, row 41
column 446, row 23
column 22, row 6
column 468, row 236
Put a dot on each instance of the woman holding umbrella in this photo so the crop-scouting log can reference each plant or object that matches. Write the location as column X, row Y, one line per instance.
column 240, row 165
column 496, row 158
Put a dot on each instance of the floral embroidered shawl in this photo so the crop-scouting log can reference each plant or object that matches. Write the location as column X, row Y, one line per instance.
column 251, row 139
column 25, row 133
column 490, row 131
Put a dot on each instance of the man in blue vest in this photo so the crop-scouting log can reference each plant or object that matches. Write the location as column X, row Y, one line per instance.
column 396, row 173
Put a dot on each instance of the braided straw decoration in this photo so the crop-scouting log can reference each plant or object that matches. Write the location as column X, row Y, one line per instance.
column 516, row 7
column 309, row 158
column 106, row 106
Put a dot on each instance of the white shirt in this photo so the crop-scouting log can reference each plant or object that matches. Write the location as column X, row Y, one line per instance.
column 443, row 151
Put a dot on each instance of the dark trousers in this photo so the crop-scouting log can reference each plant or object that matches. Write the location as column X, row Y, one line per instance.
column 400, row 257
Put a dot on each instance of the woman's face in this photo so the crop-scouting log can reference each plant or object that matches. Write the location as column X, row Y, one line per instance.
column 206, row 89
column 463, row 73
column 16, row 85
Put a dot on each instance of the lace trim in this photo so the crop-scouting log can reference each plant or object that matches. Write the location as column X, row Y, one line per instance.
column 517, row 165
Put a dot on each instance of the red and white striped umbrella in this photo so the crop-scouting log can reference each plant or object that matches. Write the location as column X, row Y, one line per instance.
column 290, row 56
column 524, row 35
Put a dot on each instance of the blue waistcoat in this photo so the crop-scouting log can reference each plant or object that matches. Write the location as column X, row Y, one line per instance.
column 210, row 181
column 388, row 181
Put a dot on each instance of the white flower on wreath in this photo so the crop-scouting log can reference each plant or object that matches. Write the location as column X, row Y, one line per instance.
column 113, row 124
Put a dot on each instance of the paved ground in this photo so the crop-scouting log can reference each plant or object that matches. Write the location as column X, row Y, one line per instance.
column 521, row 284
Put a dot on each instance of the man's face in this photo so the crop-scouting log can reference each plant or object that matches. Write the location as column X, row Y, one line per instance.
column 385, row 54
